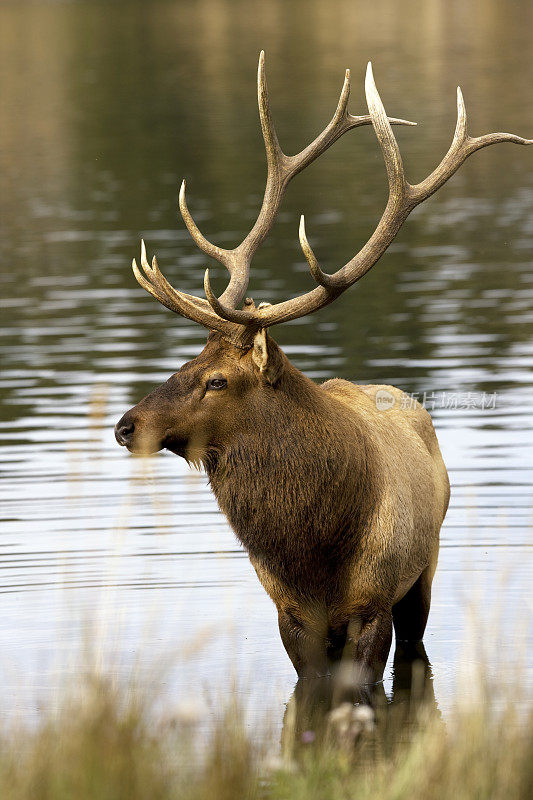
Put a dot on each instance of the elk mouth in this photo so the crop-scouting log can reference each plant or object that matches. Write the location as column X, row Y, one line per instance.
column 145, row 445
column 140, row 448
column 176, row 445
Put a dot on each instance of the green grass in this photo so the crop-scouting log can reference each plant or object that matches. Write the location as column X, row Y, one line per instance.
column 106, row 743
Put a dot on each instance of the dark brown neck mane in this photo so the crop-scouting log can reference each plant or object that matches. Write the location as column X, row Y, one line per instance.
column 297, row 505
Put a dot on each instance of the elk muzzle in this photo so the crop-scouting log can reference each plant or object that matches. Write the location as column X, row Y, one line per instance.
column 130, row 432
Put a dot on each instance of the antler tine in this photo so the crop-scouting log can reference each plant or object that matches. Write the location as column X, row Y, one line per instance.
column 204, row 244
column 461, row 148
column 342, row 106
column 230, row 314
column 341, row 122
column 320, row 277
column 460, row 127
column 403, row 198
column 185, row 304
column 274, row 152
column 386, row 138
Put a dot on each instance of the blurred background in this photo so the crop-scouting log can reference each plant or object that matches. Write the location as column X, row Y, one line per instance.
column 106, row 106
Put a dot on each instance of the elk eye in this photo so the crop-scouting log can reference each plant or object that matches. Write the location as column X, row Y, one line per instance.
column 217, row 383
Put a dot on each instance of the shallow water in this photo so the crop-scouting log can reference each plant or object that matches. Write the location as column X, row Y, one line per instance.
column 107, row 107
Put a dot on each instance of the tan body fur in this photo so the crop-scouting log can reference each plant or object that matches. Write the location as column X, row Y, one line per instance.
column 400, row 540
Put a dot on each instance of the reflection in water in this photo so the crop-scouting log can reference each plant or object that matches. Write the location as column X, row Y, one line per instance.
column 107, row 108
column 322, row 710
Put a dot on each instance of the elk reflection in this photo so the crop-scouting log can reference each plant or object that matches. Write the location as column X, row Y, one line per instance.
column 340, row 709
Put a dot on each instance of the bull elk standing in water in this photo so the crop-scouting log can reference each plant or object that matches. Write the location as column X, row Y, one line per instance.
column 339, row 504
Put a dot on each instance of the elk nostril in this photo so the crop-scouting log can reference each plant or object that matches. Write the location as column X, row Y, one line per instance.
column 124, row 432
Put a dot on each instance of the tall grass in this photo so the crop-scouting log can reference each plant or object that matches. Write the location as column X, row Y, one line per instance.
column 106, row 743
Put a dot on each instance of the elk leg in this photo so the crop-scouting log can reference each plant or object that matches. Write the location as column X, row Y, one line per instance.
column 365, row 654
column 412, row 675
column 410, row 614
column 305, row 648
column 373, row 645
column 368, row 644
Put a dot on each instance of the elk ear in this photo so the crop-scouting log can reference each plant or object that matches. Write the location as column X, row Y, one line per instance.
column 266, row 356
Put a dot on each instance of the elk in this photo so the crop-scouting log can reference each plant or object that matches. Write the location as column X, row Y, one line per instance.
column 338, row 502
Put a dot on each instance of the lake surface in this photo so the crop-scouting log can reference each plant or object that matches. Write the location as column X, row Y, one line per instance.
column 106, row 107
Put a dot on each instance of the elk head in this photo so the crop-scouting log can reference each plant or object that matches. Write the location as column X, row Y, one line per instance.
column 208, row 402
column 214, row 395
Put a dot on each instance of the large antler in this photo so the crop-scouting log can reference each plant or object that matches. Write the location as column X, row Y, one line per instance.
column 218, row 314
column 239, row 325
